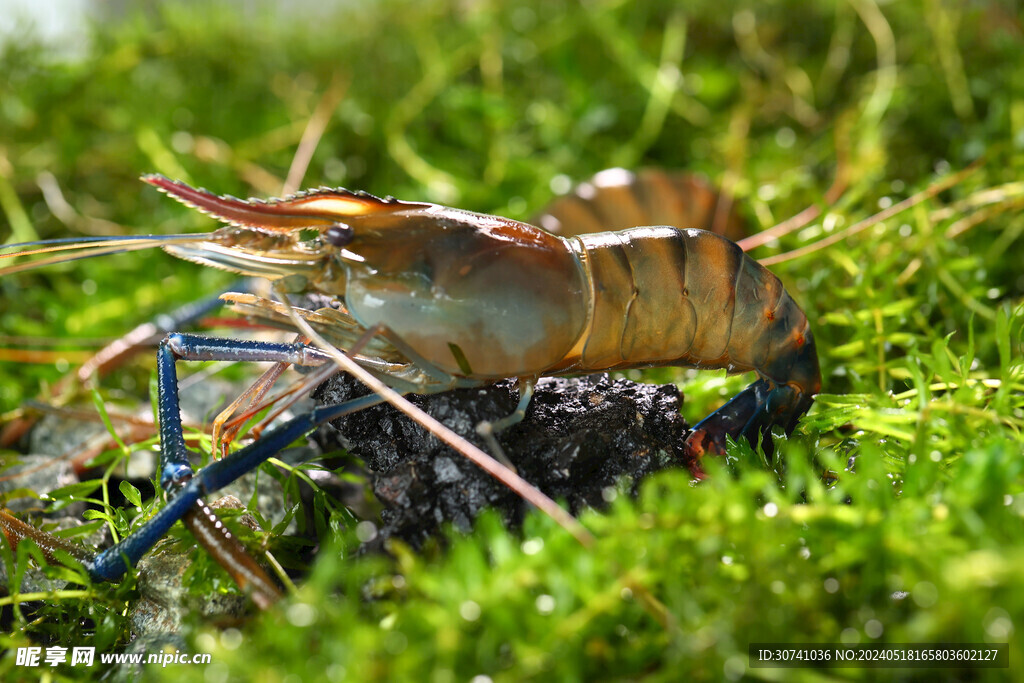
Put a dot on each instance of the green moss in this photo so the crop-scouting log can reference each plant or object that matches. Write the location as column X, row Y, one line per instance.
column 918, row 318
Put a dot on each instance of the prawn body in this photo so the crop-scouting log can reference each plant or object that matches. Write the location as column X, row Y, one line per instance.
column 427, row 298
column 469, row 298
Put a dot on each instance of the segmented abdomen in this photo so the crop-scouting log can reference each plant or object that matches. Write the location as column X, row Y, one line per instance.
column 666, row 296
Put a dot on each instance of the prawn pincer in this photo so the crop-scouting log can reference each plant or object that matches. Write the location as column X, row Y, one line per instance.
column 430, row 298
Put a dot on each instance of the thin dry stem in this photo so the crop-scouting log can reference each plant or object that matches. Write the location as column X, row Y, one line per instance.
column 860, row 226
column 315, row 128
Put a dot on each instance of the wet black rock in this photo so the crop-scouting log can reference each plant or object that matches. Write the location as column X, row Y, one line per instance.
column 580, row 439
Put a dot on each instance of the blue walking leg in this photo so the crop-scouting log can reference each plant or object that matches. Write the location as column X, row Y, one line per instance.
column 112, row 563
column 186, row 488
column 175, row 466
column 176, row 473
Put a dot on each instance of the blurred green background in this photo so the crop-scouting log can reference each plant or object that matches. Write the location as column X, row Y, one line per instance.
column 498, row 107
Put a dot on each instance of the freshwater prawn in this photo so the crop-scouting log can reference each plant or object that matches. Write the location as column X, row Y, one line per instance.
column 431, row 298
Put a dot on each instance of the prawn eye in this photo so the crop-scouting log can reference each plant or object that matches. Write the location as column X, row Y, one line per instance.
column 339, row 234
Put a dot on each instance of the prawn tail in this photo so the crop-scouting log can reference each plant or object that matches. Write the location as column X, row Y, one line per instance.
column 764, row 404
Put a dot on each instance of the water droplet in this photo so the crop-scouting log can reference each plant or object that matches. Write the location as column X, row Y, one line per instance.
column 366, row 531
column 231, row 638
column 532, row 546
column 469, row 610
column 545, row 604
column 301, row 614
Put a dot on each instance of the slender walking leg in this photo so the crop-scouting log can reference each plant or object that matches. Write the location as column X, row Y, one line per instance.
column 112, row 563
column 488, row 429
column 184, row 487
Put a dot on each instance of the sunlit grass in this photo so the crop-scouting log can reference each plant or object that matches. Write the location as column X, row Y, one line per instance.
column 897, row 515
